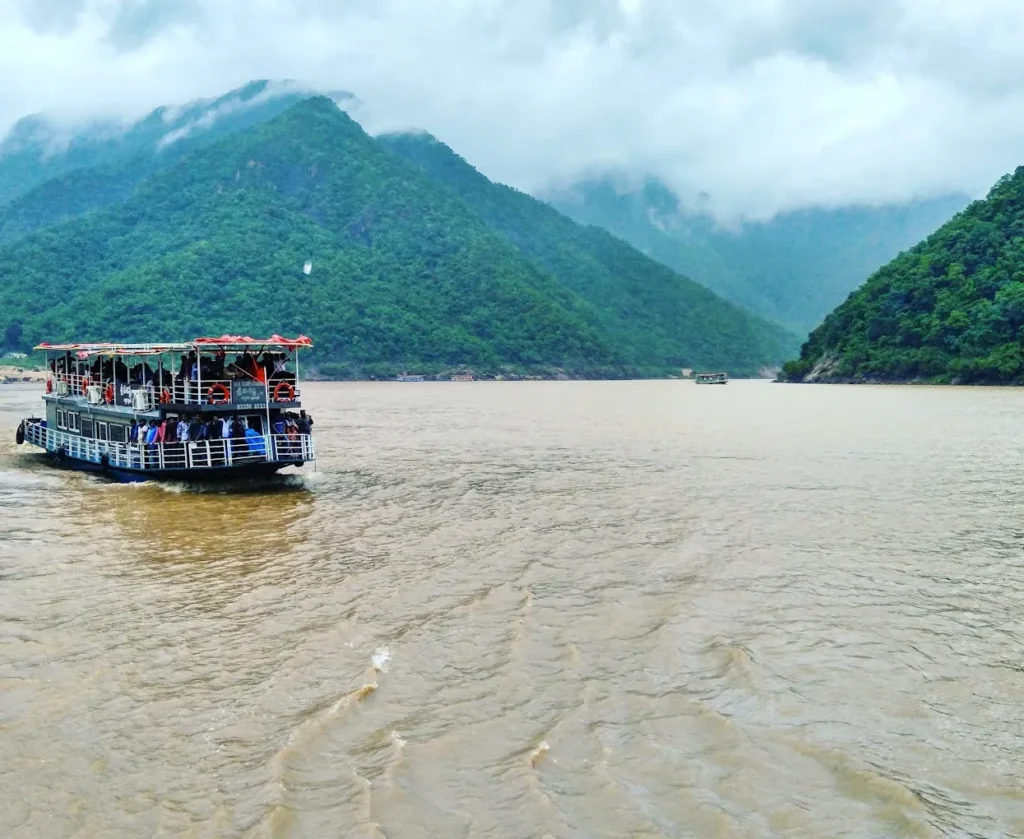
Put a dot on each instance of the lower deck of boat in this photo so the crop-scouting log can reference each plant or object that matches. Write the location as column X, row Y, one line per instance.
column 205, row 461
column 215, row 474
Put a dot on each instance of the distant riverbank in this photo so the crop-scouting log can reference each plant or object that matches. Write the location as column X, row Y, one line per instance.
column 15, row 372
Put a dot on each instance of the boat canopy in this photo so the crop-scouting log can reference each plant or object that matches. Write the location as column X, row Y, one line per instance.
column 84, row 350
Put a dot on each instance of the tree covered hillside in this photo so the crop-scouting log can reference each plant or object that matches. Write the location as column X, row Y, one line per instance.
column 949, row 309
column 37, row 151
column 649, row 309
column 46, row 178
column 404, row 273
column 793, row 269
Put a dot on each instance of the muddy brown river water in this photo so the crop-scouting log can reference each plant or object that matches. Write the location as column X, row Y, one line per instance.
column 596, row 609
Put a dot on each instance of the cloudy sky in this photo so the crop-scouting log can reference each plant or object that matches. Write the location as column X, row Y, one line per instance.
column 764, row 105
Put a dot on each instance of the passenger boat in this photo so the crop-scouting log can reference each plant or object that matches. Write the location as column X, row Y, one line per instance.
column 462, row 377
column 408, row 377
column 712, row 378
column 203, row 416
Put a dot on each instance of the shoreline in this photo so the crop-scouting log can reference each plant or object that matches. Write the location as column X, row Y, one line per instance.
column 15, row 375
column 38, row 377
column 898, row 382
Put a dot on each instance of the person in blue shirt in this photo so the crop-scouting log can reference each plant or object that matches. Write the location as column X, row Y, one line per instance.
column 257, row 446
column 150, row 440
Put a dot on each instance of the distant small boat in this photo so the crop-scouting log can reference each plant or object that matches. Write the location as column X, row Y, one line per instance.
column 462, row 377
column 408, row 377
column 712, row 378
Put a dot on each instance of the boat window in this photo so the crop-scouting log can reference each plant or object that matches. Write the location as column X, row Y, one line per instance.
column 87, row 430
column 61, row 420
column 101, row 431
column 73, row 422
column 118, row 433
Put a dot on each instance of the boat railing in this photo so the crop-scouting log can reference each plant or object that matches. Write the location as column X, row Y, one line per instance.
column 177, row 392
column 193, row 454
column 219, row 391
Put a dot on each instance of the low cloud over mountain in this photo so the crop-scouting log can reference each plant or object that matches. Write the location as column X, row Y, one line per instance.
column 762, row 106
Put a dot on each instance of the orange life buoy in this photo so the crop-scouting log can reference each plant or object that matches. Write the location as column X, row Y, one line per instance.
column 225, row 394
column 85, row 385
column 108, row 395
column 277, row 392
column 49, row 386
column 165, row 396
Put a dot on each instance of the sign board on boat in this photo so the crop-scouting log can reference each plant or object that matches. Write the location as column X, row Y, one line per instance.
column 123, row 396
column 248, row 395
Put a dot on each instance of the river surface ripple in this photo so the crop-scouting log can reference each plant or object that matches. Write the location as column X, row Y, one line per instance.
column 532, row 609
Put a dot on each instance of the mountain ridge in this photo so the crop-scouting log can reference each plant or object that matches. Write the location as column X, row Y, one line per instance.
column 948, row 310
column 792, row 269
column 404, row 272
column 36, row 151
column 590, row 261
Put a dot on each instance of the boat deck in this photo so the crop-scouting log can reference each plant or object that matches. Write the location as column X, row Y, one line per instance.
column 194, row 458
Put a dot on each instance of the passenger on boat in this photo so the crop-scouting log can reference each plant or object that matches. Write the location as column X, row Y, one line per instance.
column 198, row 430
column 141, row 374
column 254, row 442
column 238, row 444
column 244, row 367
column 266, row 362
column 185, row 370
column 151, row 443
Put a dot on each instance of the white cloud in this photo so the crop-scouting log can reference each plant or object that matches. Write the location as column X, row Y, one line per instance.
column 762, row 104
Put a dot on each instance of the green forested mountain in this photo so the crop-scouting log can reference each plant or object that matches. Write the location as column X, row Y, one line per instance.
column 45, row 178
column 793, row 269
column 404, row 272
column 648, row 308
column 949, row 309
column 37, row 150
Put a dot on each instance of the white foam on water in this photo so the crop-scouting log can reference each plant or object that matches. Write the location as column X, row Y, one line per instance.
column 538, row 754
column 380, row 659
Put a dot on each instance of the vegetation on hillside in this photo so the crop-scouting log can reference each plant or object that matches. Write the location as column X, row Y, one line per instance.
column 651, row 311
column 949, row 309
column 404, row 273
column 102, row 165
column 793, row 269
column 36, row 151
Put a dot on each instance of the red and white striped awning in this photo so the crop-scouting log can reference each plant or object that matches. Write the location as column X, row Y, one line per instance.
column 223, row 342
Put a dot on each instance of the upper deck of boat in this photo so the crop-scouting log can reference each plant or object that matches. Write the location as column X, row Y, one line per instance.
column 147, row 379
